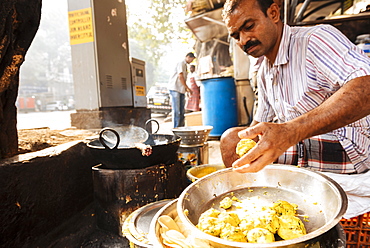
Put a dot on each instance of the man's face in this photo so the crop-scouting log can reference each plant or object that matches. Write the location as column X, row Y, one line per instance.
column 189, row 59
column 254, row 32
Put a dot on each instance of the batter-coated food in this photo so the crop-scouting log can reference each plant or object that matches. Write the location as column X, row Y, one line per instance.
column 262, row 224
column 244, row 145
column 260, row 235
column 291, row 227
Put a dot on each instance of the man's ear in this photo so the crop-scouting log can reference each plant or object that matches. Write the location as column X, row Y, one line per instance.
column 274, row 12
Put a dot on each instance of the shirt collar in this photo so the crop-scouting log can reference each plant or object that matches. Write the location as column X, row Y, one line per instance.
column 283, row 53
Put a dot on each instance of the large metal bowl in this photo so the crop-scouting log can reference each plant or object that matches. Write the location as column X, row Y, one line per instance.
column 317, row 196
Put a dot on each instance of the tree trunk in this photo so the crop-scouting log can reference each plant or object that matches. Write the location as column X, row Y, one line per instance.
column 20, row 20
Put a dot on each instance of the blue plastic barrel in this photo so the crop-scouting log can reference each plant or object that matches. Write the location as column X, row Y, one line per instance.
column 218, row 96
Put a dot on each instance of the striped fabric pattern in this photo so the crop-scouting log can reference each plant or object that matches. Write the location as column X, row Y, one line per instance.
column 311, row 65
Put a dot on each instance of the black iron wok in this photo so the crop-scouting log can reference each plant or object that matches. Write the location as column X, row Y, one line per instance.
column 164, row 151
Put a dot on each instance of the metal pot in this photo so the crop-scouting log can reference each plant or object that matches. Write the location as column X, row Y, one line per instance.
column 317, row 196
column 164, row 151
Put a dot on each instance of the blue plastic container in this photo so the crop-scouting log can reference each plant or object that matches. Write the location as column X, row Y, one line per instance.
column 219, row 104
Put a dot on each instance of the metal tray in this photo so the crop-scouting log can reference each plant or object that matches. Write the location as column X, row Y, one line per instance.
column 136, row 226
column 154, row 234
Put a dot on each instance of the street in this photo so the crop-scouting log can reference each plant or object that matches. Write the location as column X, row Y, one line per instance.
column 60, row 120
column 56, row 120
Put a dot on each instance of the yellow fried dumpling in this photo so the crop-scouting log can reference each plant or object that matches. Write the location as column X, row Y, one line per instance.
column 256, row 224
column 244, row 145
column 234, row 198
column 246, row 224
column 232, row 233
column 260, row 235
column 229, row 218
column 268, row 220
column 291, row 227
column 210, row 225
column 226, row 203
column 210, row 213
column 285, row 208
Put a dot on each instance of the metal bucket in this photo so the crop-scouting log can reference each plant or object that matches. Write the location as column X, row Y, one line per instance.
column 119, row 192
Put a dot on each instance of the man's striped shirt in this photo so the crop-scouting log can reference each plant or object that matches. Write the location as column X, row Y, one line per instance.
column 312, row 64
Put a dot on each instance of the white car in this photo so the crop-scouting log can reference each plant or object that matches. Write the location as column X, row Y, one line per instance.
column 158, row 99
column 56, row 106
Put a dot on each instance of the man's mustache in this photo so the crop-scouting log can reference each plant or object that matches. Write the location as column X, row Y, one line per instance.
column 249, row 44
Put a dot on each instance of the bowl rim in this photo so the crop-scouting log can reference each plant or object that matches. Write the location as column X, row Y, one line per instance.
column 283, row 243
column 189, row 174
column 152, row 235
column 129, row 225
column 193, row 128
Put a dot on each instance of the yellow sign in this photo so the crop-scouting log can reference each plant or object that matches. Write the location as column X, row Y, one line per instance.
column 80, row 26
column 140, row 90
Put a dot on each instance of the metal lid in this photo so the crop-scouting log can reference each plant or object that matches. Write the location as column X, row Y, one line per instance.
column 136, row 226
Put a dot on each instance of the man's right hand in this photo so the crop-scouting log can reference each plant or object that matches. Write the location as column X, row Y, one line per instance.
column 188, row 90
column 274, row 140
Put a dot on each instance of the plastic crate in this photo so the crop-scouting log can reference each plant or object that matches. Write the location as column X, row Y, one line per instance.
column 357, row 231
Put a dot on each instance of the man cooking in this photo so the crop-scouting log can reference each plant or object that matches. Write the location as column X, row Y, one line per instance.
column 313, row 102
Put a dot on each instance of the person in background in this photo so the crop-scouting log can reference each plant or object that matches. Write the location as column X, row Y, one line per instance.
column 313, row 94
column 177, row 87
column 193, row 100
column 38, row 105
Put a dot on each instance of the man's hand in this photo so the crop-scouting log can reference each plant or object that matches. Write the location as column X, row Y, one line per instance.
column 188, row 90
column 274, row 140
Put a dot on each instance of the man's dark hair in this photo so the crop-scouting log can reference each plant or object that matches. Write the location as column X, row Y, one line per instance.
column 264, row 5
column 231, row 5
column 191, row 55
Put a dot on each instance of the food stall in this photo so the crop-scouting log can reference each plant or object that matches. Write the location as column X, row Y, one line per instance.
column 326, row 227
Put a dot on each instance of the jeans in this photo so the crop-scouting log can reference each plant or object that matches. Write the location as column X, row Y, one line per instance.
column 178, row 108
